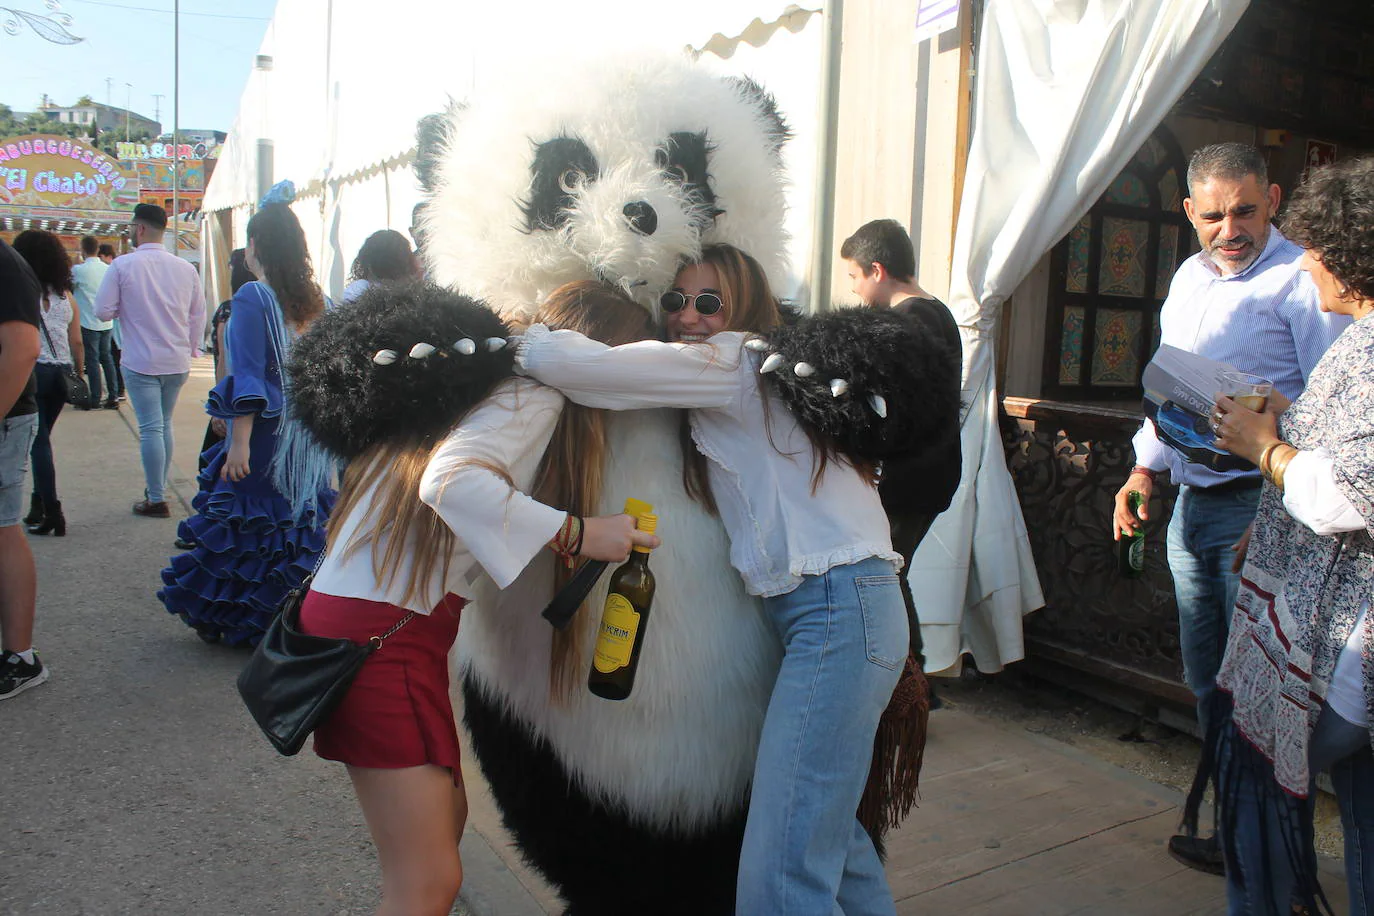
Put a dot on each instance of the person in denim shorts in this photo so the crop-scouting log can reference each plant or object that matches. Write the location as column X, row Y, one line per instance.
column 20, row 667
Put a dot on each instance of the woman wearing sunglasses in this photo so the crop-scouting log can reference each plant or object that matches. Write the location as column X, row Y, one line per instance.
column 809, row 536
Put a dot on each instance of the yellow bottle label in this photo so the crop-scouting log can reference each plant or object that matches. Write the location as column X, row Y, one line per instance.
column 616, row 641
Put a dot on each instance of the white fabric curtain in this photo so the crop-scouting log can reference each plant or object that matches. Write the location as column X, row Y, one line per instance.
column 1067, row 91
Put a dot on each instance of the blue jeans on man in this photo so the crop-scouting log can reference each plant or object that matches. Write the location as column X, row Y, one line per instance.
column 154, row 397
column 1205, row 524
column 100, row 358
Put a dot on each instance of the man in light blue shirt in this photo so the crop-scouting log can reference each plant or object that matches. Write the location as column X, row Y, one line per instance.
column 1241, row 300
column 97, row 335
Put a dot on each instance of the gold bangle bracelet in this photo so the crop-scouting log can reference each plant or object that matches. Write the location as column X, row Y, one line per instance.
column 1267, row 454
column 1280, row 466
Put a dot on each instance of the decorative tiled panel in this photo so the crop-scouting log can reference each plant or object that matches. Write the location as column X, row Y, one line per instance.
column 1116, row 353
column 1071, row 346
column 1152, row 154
column 1129, row 190
column 1080, row 236
column 1122, row 272
column 1170, row 198
column 1168, row 259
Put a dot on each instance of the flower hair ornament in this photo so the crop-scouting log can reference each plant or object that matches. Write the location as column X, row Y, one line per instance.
column 283, row 192
column 873, row 381
column 401, row 363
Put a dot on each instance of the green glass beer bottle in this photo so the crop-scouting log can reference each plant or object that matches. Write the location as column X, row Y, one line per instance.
column 623, row 621
column 1130, row 550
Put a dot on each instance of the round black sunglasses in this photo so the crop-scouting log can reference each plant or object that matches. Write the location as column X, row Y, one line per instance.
column 706, row 303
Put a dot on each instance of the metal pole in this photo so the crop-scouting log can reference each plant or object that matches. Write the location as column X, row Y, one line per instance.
column 176, row 125
column 128, row 104
column 824, row 229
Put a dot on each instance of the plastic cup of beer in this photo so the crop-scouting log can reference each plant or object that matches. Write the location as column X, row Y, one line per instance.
column 1244, row 388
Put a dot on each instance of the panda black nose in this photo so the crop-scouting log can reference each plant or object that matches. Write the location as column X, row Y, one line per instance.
column 642, row 217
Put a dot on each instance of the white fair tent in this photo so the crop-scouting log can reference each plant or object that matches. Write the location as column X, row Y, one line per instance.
column 340, row 110
column 1067, row 91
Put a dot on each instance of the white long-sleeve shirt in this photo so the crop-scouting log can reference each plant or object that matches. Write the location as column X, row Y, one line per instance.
column 498, row 528
column 759, row 461
column 1311, row 496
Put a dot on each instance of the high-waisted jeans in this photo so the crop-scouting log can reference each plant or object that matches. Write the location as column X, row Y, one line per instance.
column 844, row 637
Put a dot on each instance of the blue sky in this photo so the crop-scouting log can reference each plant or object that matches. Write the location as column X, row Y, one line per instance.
column 130, row 42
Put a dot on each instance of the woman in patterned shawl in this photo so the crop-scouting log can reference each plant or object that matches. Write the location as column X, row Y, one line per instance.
column 1298, row 660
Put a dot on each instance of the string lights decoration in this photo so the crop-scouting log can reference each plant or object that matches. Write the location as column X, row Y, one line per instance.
column 50, row 27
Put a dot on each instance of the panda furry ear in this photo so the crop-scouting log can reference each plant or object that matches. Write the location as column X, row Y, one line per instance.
column 754, row 94
column 432, row 136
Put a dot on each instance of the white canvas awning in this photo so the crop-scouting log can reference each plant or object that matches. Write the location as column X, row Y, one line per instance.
column 1067, row 91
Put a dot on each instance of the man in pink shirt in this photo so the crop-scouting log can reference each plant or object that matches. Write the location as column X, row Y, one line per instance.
column 156, row 296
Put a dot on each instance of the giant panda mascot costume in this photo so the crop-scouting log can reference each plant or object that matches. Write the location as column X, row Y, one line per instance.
column 617, row 172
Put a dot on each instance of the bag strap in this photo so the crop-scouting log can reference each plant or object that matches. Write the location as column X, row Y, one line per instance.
column 52, row 350
column 378, row 640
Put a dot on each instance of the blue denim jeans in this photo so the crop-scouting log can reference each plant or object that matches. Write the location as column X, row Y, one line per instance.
column 100, row 358
column 154, row 397
column 1261, row 882
column 844, row 637
column 1204, row 526
column 16, row 440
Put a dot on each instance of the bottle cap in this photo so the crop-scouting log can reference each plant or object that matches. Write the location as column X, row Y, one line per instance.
column 637, row 507
column 647, row 523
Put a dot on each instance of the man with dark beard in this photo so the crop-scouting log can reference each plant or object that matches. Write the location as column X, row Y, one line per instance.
column 1241, row 300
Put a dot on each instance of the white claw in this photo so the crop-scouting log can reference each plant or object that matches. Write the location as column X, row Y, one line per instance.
column 465, row 346
column 879, row 405
column 757, row 344
column 838, row 386
column 804, row 370
column 385, row 357
column 496, row 344
column 421, row 350
column 772, row 362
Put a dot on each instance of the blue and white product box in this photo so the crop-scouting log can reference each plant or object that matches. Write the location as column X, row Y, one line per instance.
column 1180, row 394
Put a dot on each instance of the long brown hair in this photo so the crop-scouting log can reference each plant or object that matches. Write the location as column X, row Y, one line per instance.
column 749, row 306
column 395, row 509
column 281, row 252
column 569, row 476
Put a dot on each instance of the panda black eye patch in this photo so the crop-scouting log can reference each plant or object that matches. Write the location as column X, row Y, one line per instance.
column 684, row 158
column 560, row 166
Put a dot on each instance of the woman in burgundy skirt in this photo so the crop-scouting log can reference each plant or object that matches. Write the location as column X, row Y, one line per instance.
column 433, row 500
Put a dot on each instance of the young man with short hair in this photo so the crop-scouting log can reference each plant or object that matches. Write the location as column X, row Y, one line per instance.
column 96, row 335
column 158, row 299
column 881, row 264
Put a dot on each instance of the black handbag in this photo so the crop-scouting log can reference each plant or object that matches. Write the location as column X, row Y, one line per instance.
column 293, row 680
column 78, row 392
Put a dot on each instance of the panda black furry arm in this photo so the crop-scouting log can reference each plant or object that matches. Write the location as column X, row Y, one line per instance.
column 882, row 385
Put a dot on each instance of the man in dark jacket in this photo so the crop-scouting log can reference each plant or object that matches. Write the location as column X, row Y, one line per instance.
column 881, row 264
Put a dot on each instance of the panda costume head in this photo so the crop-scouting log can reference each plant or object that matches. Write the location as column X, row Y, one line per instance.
column 619, row 171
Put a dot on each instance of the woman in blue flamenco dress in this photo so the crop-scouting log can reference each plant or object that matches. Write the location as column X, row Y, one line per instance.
column 253, row 546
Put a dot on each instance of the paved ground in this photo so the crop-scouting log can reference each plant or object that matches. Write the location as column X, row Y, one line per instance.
column 133, row 782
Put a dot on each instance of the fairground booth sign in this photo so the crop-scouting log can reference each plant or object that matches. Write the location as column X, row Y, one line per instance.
column 63, row 185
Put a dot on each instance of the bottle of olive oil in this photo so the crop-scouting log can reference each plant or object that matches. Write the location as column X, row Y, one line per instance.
column 623, row 622
column 1130, row 550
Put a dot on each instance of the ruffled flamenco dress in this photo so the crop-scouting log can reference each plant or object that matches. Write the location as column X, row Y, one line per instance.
column 251, row 548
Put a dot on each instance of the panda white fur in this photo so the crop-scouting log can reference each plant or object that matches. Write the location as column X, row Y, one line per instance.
column 618, row 172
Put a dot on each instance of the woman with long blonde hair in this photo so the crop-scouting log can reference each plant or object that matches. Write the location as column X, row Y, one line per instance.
column 434, row 497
